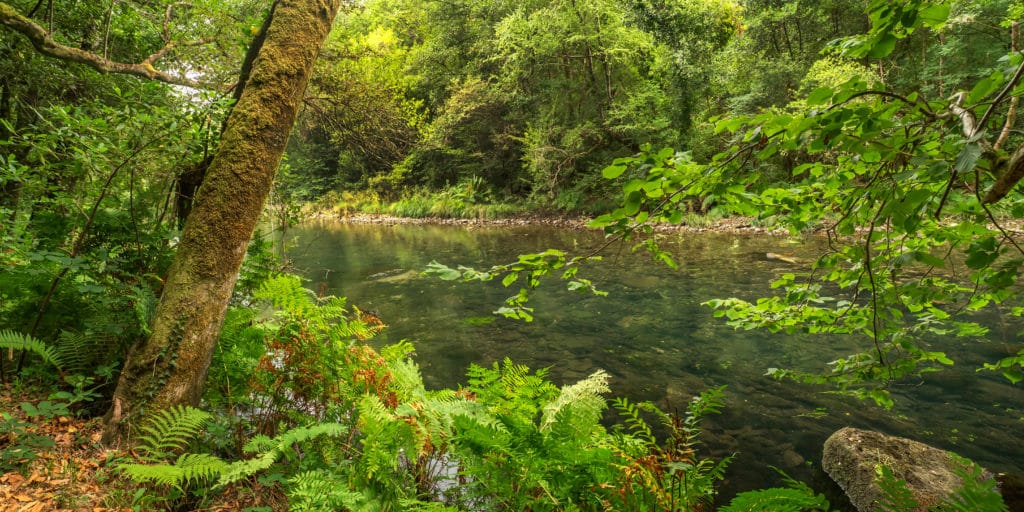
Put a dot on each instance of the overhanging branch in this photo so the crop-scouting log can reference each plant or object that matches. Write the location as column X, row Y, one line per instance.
column 45, row 45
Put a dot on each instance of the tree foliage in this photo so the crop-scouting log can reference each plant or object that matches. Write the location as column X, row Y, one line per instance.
column 911, row 189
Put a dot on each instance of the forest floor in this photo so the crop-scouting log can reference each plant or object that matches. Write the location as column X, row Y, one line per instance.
column 68, row 475
column 69, row 470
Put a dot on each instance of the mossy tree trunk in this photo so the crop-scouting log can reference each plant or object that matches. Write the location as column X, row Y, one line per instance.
column 170, row 367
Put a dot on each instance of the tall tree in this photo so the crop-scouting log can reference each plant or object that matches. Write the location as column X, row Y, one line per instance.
column 170, row 367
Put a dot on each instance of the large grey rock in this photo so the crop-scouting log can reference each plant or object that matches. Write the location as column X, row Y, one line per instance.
column 851, row 457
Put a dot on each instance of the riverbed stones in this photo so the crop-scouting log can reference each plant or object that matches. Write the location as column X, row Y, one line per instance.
column 851, row 457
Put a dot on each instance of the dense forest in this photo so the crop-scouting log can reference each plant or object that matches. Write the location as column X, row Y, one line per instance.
column 143, row 141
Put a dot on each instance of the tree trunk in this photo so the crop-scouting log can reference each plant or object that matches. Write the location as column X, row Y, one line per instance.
column 170, row 367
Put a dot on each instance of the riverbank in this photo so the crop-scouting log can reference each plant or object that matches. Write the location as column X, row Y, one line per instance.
column 738, row 225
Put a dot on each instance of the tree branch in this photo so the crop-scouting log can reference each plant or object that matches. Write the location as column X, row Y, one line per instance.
column 1011, row 113
column 1013, row 174
column 44, row 44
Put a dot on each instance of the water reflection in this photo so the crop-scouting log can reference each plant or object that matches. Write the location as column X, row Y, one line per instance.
column 656, row 340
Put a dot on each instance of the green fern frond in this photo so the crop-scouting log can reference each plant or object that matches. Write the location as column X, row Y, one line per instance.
column 287, row 294
column 977, row 491
column 777, row 499
column 199, row 466
column 189, row 468
column 414, row 505
column 638, row 427
column 321, row 490
column 408, row 380
column 259, row 443
column 80, row 352
column 578, row 405
column 272, row 449
column 15, row 340
column 442, row 408
column 397, row 351
column 170, row 430
column 372, row 410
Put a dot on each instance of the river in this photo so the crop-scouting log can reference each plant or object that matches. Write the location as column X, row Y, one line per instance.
column 656, row 339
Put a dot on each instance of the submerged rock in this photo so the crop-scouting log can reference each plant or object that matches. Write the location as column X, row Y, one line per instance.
column 851, row 457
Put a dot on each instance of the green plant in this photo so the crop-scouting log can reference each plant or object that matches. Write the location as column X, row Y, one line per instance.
column 794, row 497
column 977, row 491
column 668, row 474
column 46, row 409
column 165, row 436
column 22, row 443
column 12, row 340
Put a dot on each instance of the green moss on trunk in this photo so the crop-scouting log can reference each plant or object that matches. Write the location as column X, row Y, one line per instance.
column 170, row 367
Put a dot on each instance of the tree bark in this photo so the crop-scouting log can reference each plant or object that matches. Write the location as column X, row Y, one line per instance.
column 170, row 367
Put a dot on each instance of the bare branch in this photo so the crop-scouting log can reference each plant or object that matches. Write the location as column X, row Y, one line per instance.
column 44, row 43
column 970, row 123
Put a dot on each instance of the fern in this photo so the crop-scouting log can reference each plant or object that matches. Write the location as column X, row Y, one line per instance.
column 272, row 449
column 794, row 497
column 636, row 425
column 15, row 340
column 170, row 430
column 896, row 496
column 79, row 352
column 287, row 294
column 578, row 407
column 977, row 493
column 321, row 490
column 190, row 468
column 510, row 391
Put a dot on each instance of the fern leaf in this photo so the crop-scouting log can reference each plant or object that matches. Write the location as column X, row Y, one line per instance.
column 160, row 474
column 637, row 425
column 79, row 352
column 320, row 490
column 15, row 340
column 275, row 448
column 196, row 467
column 287, row 294
column 189, row 468
column 171, row 430
column 582, row 402
column 796, row 496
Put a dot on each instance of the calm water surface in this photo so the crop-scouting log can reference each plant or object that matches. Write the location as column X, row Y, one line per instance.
column 656, row 340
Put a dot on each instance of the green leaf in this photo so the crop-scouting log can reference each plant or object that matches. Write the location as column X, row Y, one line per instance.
column 613, row 171
column 509, row 279
column 934, row 15
column 928, row 259
column 967, row 157
column 442, row 271
column 985, row 87
column 820, row 96
column 884, row 46
column 633, row 201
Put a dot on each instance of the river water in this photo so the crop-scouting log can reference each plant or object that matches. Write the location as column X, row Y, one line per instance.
column 656, row 339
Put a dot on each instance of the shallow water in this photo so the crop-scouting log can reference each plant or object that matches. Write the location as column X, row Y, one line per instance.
column 656, row 340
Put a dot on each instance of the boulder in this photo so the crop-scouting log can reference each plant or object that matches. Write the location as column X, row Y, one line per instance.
column 851, row 457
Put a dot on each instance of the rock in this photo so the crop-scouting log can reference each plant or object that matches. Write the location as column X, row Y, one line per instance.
column 791, row 459
column 851, row 456
column 392, row 277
